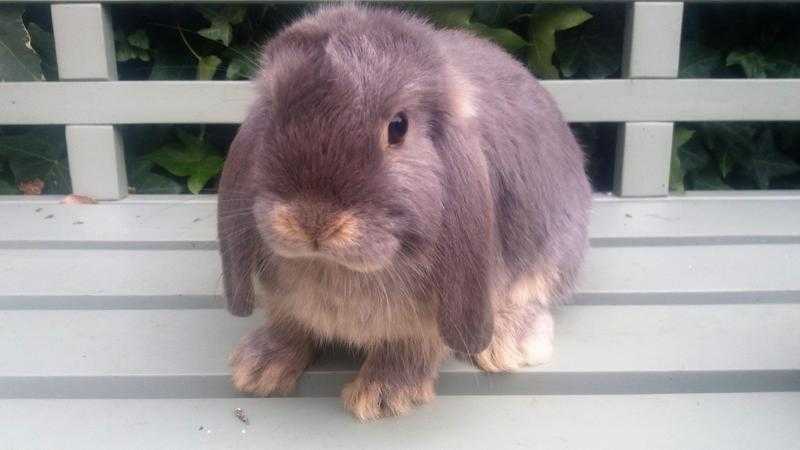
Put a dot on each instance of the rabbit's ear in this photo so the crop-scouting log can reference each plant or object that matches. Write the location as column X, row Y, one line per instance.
column 238, row 236
column 461, row 275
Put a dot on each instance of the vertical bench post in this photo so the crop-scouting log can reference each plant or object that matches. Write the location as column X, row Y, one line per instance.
column 652, row 50
column 85, row 51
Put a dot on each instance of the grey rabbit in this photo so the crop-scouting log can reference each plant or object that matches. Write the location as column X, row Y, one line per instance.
column 402, row 190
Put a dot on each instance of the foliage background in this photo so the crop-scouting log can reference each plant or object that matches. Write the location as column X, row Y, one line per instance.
column 555, row 41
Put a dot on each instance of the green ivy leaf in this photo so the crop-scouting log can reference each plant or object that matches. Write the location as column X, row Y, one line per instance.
column 698, row 61
column 35, row 155
column 681, row 136
column 126, row 51
column 220, row 32
column 498, row 15
column 18, row 60
column 207, row 67
column 460, row 16
column 147, row 182
column 733, row 138
column 503, row 36
column 676, row 173
column 139, row 39
column 243, row 63
column 589, row 49
column 542, row 35
column 44, row 44
column 708, row 179
column 221, row 22
column 753, row 63
column 694, row 155
column 204, row 171
column 176, row 159
column 449, row 16
column 191, row 157
column 726, row 164
column 676, row 170
column 767, row 162
column 153, row 183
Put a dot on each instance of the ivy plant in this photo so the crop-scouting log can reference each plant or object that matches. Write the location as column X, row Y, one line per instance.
column 32, row 159
column 221, row 42
column 18, row 59
column 734, row 41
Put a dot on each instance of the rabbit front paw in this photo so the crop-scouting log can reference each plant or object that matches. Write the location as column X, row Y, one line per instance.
column 373, row 399
column 262, row 365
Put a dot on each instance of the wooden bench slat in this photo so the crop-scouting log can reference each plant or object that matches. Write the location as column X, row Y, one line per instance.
column 190, row 223
column 600, row 350
column 146, row 278
column 694, row 421
column 145, row 102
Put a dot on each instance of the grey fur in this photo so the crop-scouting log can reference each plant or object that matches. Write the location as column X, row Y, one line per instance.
column 489, row 187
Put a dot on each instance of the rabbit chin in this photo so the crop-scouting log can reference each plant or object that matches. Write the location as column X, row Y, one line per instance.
column 376, row 258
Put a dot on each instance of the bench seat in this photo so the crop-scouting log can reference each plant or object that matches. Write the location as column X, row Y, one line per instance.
column 684, row 334
column 738, row 421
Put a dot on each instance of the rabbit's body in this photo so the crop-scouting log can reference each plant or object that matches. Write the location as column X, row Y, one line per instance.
column 483, row 227
column 540, row 194
column 356, row 309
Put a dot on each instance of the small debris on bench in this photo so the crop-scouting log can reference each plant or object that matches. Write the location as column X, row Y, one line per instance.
column 77, row 222
column 38, row 210
column 203, row 428
column 49, row 216
column 73, row 199
column 240, row 414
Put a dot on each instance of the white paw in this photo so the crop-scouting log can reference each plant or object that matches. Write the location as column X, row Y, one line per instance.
column 538, row 346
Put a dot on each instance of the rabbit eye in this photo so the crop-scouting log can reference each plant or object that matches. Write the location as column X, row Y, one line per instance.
column 398, row 127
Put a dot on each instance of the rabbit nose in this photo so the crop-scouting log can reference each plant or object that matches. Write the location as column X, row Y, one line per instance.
column 316, row 226
column 337, row 231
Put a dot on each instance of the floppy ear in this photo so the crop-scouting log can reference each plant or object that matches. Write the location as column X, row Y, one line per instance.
column 461, row 275
column 238, row 236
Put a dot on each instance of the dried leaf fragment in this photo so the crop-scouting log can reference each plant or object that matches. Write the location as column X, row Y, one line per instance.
column 31, row 187
column 73, row 199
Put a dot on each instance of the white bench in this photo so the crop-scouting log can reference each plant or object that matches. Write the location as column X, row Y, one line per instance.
column 685, row 332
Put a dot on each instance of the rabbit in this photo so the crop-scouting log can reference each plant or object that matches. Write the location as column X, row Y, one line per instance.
column 405, row 191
